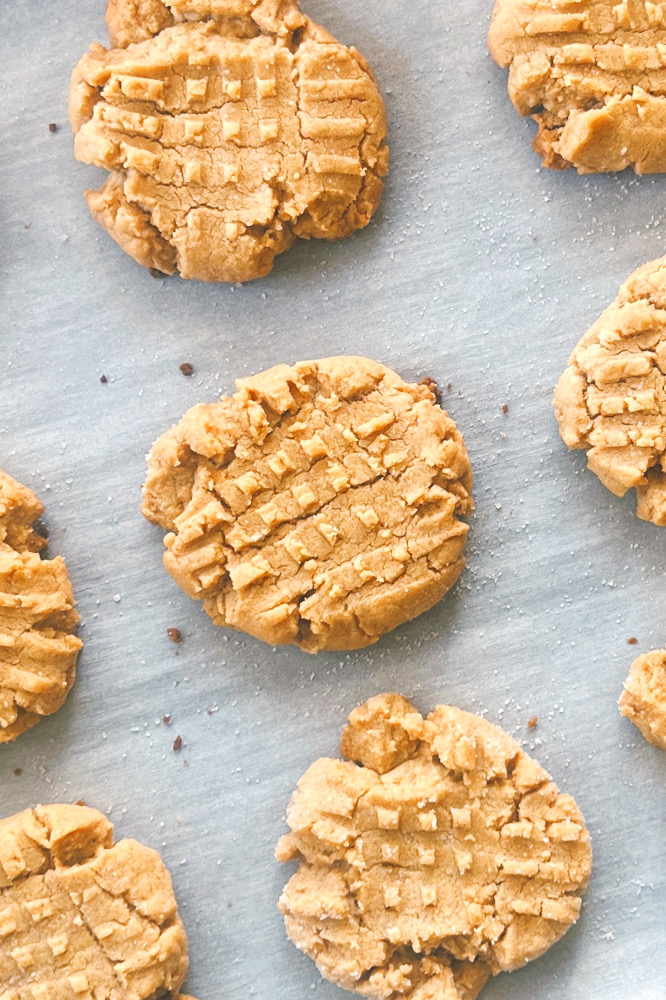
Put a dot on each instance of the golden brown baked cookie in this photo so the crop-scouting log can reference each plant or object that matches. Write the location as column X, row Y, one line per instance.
column 37, row 618
column 611, row 399
column 230, row 128
column 592, row 74
column 81, row 917
column 319, row 505
column 643, row 699
column 448, row 855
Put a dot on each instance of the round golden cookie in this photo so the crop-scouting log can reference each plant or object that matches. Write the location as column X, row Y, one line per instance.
column 448, row 855
column 319, row 505
column 38, row 650
column 81, row 916
column 611, row 399
column 230, row 128
column 643, row 699
column 593, row 77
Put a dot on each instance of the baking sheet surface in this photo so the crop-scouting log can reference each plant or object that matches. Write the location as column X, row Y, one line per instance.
column 481, row 270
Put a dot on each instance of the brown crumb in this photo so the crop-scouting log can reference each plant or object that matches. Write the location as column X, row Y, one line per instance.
column 175, row 634
column 449, row 387
column 505, row 408
column 53, row 127
column 533, row 722
column 209, row 711
column 18, row 771
column 186, row 368
column 103, row 379
column 186, row 763
column 166, row 719
column 80, row 802
column 178, row 742
column 432, row 385
column 154, row 273
column 632, row 642
column 27, row 225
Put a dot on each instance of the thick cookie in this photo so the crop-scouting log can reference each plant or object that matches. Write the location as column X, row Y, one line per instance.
column 80, row 917
column 592, row 73
column 643, row 699
column 317, row 506
column 37, row 618
column 446, row 856
column 230, row 128
column 611, row 399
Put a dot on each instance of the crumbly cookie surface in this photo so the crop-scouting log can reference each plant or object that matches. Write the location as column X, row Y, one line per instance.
column 82, row 918
column 230, row 128
column 319, row 505
column 643, row 699
column 38, row 650
column 448, row 855
column 592, row 73
column 611, row 399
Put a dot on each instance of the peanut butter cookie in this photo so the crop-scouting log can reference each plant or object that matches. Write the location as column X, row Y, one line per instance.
column 82, row 917
column 230, row 128
column 611, row 399
column 644, row 697
column 37, row 617
column 318, row 505
column 448, row 855
column 592, row 74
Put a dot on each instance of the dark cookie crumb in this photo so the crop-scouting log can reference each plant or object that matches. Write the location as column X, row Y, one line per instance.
column 178, row 742
column 632, row 642
column 103, row 379
column 18, row 771
column 186, row 368
column 166, row 719
column 505, row 409
column 533, row 722
column 175, row 634
column 53, row 127
column 432, row 385
column 154, row 273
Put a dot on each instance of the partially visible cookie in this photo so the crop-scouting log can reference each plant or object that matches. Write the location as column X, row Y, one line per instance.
column 82, row 917
column 592, row 74
column 320, row 505
column 437, row 854
column 230, row 128
column 643, row 699
column 611, row 399
column 38, row 649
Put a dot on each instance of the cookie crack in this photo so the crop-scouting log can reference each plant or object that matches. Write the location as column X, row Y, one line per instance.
column 100, row 949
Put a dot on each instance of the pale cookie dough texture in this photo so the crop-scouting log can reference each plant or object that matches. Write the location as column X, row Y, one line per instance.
column 448, row 855
column 611, row 399
column 319, row 505
column 643, row 700
column 82, row 918
column 230, row 128
column 38, row 650
column 592, row 74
